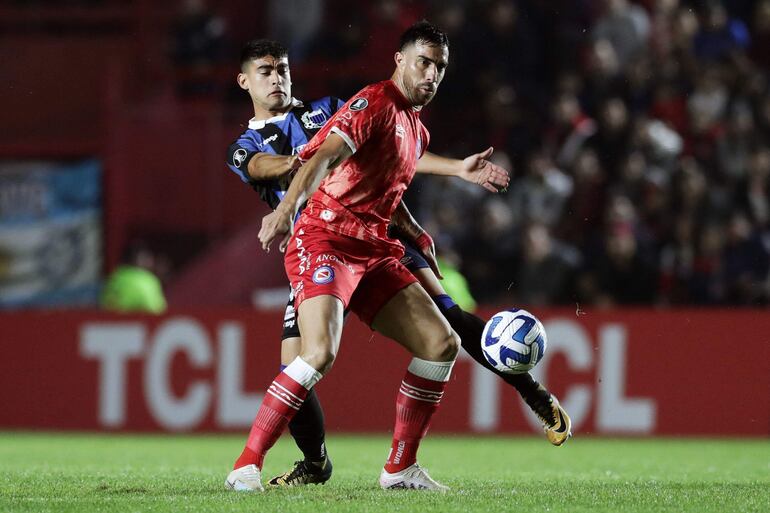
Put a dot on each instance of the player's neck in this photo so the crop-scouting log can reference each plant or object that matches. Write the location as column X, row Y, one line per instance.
column 261, row 113
column 399, row 82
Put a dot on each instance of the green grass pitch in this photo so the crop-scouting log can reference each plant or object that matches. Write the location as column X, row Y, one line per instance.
column 115, row 473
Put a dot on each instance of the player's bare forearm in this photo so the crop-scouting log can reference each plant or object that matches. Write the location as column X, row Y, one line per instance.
column 433, row 164
column 411, row 229
column 330, row 154
column 474, row 168
column 405, row 222
column 278, row 224
column 264, row 166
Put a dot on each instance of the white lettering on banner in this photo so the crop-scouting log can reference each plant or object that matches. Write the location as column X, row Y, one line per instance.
column 616, row 413
column 171, row 412
column 112, row 344
column 485, row 398
column 235, row 408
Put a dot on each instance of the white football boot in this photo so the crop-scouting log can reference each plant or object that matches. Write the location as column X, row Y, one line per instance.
column 413, row 477
column 245, row 479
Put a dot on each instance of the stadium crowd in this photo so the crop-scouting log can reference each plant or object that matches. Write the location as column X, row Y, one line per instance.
column 638, row 134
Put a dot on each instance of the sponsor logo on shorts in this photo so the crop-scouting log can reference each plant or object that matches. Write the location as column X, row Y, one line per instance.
column 323, row 275
column 239, row 156
column 359, row 104
column 325, row 257
column 303, row 254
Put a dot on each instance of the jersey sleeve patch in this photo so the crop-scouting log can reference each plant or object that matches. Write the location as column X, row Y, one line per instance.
column 238, row 159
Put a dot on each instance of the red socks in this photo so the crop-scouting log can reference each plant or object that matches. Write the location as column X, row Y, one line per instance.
column 417, row 401
column 283, row 399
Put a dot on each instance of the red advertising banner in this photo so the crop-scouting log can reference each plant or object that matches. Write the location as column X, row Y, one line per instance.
column 638, row 372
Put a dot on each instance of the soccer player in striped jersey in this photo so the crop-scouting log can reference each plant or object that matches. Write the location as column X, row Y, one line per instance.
column 264, row 156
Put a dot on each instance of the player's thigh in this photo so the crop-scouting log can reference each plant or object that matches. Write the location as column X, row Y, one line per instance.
column 290, row 349
column 428, row 280
column 320, row 322
column 413, row 320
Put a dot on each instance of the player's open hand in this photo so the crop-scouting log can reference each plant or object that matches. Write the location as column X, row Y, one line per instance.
column 275, row 225
column 477, row 169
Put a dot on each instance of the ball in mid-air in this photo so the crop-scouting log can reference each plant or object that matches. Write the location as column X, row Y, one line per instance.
column 513, row 341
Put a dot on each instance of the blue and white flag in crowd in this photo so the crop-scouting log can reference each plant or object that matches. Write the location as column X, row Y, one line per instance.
column 50, row 233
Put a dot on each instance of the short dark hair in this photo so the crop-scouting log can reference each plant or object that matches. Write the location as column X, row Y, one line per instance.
column 423, row 32
column 258, row 48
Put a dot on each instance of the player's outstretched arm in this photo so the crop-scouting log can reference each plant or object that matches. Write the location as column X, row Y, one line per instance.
column 474, row 168
column 411, row 229
column 332, row 152
column 264, row 166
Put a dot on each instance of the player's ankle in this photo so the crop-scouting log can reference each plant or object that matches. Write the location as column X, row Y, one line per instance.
column 247, row 457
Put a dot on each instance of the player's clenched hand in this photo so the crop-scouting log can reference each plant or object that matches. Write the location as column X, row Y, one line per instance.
column 477, row 169
column 275, row 225
column 428, row 249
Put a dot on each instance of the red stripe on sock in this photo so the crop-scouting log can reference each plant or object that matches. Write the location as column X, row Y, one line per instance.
column 413, row 418
column 272, row 418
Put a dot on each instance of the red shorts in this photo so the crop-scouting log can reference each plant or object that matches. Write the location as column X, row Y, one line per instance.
column 364, row 275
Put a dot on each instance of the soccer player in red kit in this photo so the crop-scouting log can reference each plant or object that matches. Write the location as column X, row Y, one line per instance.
column 355, row 171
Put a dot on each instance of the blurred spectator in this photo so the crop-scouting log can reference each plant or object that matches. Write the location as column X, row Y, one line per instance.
column 489, row 251
column 625, row 26
column 746, row 263
column 133, row 286
column 297, row 22
column 613, row 135
column 620, row 275
column 544, row 269
column 719, row 36
column 761, row 35
column 540, row 195
column 569, row 130
column 199, row 45
column 754, row 190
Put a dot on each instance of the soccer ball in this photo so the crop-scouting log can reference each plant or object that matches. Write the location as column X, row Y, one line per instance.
column 513, row 341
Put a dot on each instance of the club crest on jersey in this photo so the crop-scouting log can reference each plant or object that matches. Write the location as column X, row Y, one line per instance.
column 323, row 275
column 327, row 215
column 359, row 104
column 239, row 156
column 400, row 131
column 314, row 119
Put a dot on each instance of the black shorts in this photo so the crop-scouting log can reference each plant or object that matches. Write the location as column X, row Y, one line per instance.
column 412, row 260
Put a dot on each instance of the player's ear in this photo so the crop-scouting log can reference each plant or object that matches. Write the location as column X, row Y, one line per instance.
column 242, row 80
column 398, row 58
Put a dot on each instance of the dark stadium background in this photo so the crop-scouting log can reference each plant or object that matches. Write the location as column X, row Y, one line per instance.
column 637, row 134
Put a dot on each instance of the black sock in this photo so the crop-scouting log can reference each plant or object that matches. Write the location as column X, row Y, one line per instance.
column 307, row 428
column 470, row 328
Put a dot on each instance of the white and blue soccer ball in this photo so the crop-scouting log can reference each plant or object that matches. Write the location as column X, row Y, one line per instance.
column 513, row 341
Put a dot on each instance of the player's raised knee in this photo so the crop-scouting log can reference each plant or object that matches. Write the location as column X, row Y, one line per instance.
column 321, row 359
column 443, row 348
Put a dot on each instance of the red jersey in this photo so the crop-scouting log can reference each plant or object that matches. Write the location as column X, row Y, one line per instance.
column 387, row 138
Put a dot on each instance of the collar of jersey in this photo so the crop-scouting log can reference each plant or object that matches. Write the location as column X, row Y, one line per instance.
column 256, row 124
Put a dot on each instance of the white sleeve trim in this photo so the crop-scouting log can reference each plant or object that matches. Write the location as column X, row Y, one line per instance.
column 345, row 137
